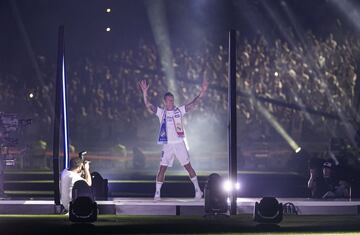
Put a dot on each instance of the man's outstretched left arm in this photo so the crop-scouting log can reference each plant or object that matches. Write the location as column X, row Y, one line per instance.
column 191, row 106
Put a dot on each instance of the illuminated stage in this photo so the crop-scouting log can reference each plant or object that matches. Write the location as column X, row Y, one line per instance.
column 184, row 206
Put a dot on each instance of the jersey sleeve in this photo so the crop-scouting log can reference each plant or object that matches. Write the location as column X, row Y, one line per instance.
column 159, row 112
column 182, row 110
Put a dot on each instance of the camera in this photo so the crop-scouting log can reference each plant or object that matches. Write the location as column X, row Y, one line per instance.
column 82, row 155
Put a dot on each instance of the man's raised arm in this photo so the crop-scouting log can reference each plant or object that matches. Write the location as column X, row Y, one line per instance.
column 191, row 106
column 144, row 88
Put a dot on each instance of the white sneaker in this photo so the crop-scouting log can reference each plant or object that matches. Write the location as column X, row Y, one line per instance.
column 198, row 194
column 157, row 196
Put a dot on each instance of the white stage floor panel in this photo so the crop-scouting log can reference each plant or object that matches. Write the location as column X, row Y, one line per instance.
column 183, row 206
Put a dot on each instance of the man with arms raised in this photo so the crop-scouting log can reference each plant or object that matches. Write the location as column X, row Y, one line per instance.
column 171, row 135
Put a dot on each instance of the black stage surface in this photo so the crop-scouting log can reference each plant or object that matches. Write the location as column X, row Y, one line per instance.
column 115, row 224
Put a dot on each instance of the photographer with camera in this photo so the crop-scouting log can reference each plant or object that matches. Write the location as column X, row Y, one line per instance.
column 79, row 170
column 326, row 183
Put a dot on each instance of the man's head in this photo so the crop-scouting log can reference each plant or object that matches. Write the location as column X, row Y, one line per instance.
column 169, row 101
column 76, row 164
column 327, row 169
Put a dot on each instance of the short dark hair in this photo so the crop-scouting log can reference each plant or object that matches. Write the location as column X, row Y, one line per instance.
column 327, row 165
column 168, row 94
column 75, row 163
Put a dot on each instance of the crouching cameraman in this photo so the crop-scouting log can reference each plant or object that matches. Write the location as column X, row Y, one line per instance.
column 79, row 170
column 328, row 184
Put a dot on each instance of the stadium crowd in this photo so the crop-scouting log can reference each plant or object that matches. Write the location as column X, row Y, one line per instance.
column 105, row 104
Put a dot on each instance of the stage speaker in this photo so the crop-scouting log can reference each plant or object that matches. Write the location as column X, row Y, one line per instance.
column 99, row 186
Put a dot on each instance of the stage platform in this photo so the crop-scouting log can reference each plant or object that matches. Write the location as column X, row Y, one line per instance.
column 185, row 206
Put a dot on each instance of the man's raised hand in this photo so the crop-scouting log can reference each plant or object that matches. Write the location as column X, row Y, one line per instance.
column 144, row 86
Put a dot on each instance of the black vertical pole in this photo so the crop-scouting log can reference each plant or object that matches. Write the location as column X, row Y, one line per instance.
column 2, row 163
column 232, row 118
column 57, row 118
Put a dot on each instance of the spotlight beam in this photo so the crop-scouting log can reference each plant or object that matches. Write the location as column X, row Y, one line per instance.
column 300, row 32
column 349, row 9
column 277, row 102
column 276, row 125
column 156, row 13
column 29, row 49
column 310, row 58
column 345, row 6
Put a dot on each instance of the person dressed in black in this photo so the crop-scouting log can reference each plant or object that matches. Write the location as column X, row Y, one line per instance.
column 327, row 184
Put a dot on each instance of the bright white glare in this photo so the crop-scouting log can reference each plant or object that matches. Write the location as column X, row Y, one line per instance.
column 276, row 74
column 298, row 150
column 108, row 29
column 31, row 95
column 108, row 10
column 228, row 186
column 237, row 186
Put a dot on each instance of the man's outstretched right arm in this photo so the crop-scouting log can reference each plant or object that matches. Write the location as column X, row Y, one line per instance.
column 149, row 105
column 144, row 88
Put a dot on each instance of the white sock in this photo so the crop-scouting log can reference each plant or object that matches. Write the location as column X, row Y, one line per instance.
column 194, row 180
column 158, row 186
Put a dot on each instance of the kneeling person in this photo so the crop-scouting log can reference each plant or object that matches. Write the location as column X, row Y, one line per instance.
column 72, row 175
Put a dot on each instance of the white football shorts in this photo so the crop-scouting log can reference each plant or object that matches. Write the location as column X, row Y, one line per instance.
column 172, row 150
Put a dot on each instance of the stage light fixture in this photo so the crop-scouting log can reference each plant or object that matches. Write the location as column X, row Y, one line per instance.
column 108, row 10
column 268, row 211
column 83, row 207
column 215, row 196
column 108, row 29
column 276, row 74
